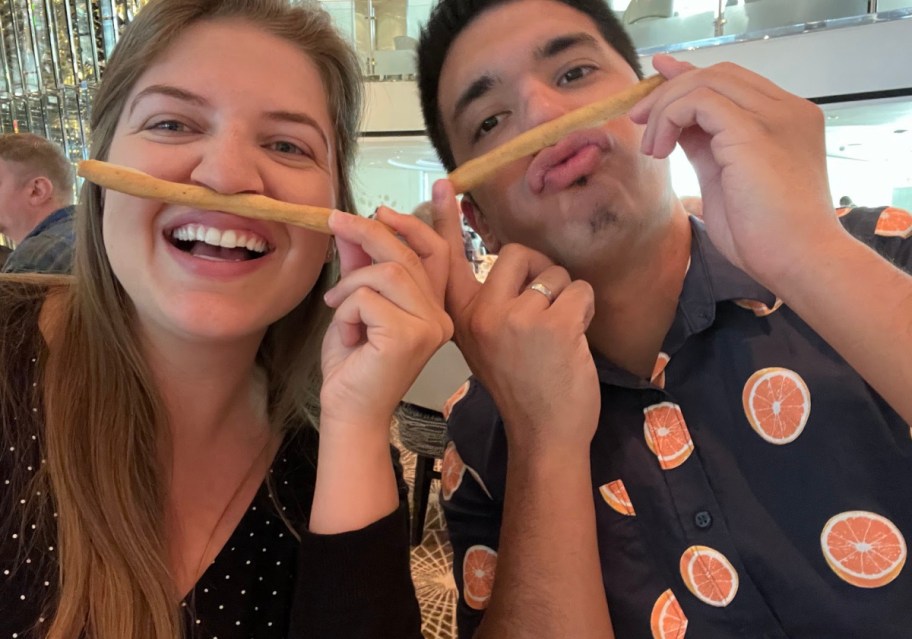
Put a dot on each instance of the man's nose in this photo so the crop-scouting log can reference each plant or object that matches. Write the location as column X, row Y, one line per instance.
column 228, row 165
column 542, row 103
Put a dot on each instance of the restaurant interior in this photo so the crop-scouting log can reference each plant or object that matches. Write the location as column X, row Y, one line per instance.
column 855, row 65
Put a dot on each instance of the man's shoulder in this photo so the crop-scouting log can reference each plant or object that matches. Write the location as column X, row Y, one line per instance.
column 41, row 254
column 60, row 224
column 48, row 249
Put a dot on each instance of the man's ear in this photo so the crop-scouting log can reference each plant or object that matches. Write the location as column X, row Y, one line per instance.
column 477, row 221
column 40, row 191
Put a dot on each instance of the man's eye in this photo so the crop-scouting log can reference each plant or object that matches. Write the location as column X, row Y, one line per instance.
column 575, row 74
column 487, row 125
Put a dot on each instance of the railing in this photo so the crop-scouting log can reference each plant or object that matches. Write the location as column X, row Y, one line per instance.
column 664, row 25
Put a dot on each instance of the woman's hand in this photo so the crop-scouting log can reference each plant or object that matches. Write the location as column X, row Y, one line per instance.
column 389, row 317
column 389, row 320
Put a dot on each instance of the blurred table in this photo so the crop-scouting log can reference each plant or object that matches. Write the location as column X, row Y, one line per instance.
column 444, row 373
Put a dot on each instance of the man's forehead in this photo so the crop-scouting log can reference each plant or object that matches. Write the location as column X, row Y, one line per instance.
column 507, row 35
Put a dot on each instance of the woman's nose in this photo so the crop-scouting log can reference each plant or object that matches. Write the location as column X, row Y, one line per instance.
column 228, row 165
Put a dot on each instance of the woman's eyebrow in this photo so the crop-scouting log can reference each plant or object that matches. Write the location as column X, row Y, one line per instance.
column 296, row 117
column 170, row 91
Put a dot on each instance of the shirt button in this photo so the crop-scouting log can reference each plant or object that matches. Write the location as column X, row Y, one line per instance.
column 703, row 519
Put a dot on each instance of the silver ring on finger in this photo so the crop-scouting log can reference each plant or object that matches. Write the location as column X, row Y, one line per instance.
column 544, row 290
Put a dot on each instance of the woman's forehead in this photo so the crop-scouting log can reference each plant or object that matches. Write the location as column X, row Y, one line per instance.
column 238, row 61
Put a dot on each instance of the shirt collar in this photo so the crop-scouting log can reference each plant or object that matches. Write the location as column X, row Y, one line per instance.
column 57, row 216
column 710, row 279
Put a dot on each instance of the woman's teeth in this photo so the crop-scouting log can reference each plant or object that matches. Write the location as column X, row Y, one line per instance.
column 216, row 237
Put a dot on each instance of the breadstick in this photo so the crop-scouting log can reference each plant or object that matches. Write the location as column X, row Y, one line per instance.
column 260, row 207
column 477, row 170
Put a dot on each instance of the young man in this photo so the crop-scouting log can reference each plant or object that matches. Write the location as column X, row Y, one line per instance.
column 36, row 196
column 707, row 425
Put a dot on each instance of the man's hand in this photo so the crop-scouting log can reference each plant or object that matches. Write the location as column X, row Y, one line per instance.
column 760, row 156
column 529, row 351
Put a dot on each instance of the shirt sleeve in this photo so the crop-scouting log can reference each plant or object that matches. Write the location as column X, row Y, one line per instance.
column 472, row 501
column 357, row 584
column 886, row 229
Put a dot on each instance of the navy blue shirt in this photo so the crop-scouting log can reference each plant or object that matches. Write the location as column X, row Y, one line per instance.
column 48, row 248
column 755, row 487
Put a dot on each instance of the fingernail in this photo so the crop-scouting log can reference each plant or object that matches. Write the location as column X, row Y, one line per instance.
column 438, row 191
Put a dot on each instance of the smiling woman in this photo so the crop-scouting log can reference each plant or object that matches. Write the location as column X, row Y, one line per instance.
column 159, row 410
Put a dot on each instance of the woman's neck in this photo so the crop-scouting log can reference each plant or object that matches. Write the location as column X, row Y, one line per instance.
column 209, row 389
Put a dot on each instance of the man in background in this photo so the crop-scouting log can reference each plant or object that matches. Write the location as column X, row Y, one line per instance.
column 36, row 196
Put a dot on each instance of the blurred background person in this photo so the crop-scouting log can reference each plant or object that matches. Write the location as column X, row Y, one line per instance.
column 36, row 197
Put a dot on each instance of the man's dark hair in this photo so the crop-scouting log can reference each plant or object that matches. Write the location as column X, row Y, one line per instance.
column 450, row 17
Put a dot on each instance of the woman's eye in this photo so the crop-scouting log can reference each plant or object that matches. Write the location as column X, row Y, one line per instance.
column 169, row 125
column 575, row 74
column 286, row 147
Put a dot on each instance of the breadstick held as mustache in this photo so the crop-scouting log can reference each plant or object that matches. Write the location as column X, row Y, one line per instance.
column 259, row 207
column 477, row 170
column 466, row 177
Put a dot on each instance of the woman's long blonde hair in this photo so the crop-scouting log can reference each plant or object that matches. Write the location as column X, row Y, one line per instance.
column 104, row 421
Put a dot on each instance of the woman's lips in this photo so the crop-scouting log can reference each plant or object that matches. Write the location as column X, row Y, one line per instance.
column 560, row 166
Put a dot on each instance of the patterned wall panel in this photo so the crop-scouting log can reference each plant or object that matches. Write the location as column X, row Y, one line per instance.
column 52, row 54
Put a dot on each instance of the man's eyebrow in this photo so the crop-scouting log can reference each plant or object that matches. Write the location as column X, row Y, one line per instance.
column 560, row 44
column 170, row 91
column 299, row 118
column 477, row 89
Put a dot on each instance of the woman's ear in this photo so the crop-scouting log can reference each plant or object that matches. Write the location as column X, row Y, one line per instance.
column 477, row 221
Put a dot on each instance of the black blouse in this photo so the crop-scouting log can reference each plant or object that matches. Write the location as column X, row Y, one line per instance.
column 273, row 578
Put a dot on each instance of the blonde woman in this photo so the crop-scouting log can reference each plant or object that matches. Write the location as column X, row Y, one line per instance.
column 160, row 409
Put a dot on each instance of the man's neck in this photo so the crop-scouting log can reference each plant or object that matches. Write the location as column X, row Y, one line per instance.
column 635, row 304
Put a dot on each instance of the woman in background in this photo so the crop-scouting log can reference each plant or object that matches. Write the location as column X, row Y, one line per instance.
column 159, row 409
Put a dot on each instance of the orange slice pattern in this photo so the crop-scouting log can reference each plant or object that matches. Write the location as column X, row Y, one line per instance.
column 843, row 210
column 667, row 620
column 615, row 495
column 777, row 403
column 863, row 548
column 759, row 308
column 709, row 576
column 454, row 399
column 477, row 478
column 894, row 222
column 667, row 435
column 451, row 472
column 658, row 371
column 478, row 569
